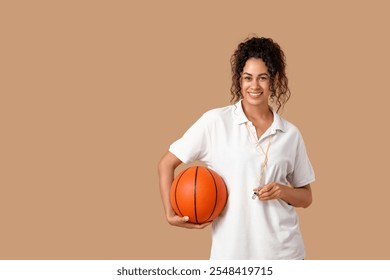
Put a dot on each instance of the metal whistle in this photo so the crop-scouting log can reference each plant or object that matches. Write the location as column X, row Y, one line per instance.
column 254, row 195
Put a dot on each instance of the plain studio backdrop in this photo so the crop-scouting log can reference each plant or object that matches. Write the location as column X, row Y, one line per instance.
column 92, row 94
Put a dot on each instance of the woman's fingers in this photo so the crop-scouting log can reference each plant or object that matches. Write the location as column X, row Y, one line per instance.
column 183, row 222
column 269, row 191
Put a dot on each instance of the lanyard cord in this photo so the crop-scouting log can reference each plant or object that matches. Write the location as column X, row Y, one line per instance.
column 258, row 146
column 265, row 158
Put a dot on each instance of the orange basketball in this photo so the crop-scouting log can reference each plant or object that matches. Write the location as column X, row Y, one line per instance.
column 199, row 193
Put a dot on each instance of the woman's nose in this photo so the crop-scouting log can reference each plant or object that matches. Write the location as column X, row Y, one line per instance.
column 255, row 84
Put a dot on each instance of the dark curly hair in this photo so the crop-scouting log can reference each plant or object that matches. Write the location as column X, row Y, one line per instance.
column 275, row 60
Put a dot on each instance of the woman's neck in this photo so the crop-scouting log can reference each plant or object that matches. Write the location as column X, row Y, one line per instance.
column 257, row 114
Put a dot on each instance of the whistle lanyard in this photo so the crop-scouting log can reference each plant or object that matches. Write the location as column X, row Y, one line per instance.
column 265, row 153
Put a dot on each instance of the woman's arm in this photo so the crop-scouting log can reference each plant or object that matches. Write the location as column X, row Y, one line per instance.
column 297, row 197
column 166, row 170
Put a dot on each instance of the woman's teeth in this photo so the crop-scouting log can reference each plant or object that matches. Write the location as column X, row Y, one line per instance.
column 255, row 94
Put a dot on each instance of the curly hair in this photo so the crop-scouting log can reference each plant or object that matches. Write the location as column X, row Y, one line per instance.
column 275, row 60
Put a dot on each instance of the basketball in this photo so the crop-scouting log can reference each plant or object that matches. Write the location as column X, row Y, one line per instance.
column 199, row 193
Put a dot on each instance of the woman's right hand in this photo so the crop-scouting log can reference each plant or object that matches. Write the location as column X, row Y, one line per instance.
column 183, row 222
column 166, row 168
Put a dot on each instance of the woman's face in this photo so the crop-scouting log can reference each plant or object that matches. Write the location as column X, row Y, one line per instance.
column 255, row 82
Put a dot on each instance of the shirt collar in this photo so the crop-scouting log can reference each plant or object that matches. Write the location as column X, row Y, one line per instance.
column 238, row 113
column 240, row 118
column 278, row 123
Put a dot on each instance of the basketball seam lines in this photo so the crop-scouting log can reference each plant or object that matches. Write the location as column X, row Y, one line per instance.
column 196, row 176
column 177, row 183
column 216, row 194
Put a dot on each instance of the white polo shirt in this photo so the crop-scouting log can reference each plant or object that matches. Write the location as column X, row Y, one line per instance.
column 247, row 228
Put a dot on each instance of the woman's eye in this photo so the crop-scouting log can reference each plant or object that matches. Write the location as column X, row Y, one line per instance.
column 247, row 78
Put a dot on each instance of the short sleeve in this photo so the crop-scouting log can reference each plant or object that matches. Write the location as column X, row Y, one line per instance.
column 193, row 145
column 303, row 172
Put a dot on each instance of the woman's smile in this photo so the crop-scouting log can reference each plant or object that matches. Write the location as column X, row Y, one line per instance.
column 255, row 94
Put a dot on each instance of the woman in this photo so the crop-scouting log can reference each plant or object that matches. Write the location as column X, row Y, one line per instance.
column 261, row 157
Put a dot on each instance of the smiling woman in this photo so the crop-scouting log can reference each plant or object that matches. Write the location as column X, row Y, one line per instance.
column 273, row 59
column 257, row 153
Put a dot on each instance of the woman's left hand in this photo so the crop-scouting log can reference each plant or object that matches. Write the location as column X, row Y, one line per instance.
column 270, row 191
column 297, row 197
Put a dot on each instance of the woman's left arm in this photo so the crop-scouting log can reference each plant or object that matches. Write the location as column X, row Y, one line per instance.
column 297, row 197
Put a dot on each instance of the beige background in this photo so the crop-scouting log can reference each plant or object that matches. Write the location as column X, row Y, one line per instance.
column 93, row 92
